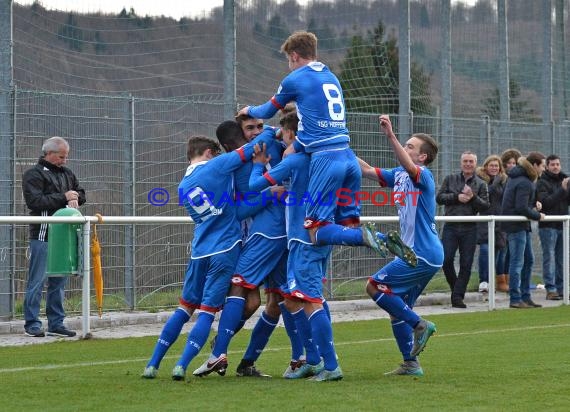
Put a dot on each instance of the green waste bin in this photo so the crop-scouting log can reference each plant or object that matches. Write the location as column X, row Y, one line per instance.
column 63, row 245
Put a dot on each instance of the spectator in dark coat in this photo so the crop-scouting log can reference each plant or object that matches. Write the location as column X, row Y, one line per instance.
column 552, row 192
column 462, row 194
column 519, row 199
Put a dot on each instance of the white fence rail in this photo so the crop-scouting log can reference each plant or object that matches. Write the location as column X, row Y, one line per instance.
column 86, row 222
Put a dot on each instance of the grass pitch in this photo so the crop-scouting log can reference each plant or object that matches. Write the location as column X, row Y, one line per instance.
column 502, row 360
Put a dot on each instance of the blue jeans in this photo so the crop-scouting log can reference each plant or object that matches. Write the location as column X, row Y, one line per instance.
column 464, row 238
column 484, row 262
column 521, row 260
column 55, row 291
column 552, row 250
column 502, row 263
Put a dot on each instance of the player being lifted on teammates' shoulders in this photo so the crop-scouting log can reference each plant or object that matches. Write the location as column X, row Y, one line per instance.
column 322, row 133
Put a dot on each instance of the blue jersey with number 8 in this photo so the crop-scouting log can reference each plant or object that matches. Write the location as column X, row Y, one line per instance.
column 320, row 107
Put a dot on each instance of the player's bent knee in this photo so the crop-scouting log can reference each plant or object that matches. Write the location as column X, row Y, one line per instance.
column 250, row 308
column 373, row 287
column 272, row 307
column 293, row 305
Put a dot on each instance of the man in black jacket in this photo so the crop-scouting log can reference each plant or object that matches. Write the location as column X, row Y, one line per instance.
column 462, row 194
column 519, row 199
column 552, row 192
column 48, row 187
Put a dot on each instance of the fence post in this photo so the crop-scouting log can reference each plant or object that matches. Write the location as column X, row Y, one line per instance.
column 504, row 80
column 560, row 51
column 566, row 260
column 129, row 201
column 547, row 64
column 404, row 68
column 86, row 291
column 485, row 136
column 446, row 139
column 6, row 159
column 230, row 104
column 491, row 262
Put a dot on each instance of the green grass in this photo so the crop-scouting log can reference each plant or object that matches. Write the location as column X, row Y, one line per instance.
column 500, row 360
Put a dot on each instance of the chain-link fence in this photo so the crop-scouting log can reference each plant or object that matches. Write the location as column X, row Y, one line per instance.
column 127, row 91
column 124, row 150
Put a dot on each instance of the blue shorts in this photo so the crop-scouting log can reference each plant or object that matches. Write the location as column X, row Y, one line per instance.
column 207, row 280
column 403, row 280
column 335, row 178
column 306, row 268
column 274, row 281
column 259, row 262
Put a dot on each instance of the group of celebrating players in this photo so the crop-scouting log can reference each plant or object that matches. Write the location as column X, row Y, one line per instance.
column 285, row 246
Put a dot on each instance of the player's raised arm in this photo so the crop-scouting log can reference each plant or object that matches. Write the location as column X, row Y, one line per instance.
column 403, row 157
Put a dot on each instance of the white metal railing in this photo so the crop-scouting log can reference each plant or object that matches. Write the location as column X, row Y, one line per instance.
column 86, row 222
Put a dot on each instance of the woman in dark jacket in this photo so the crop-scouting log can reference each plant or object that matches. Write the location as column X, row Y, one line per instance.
column 493, row 173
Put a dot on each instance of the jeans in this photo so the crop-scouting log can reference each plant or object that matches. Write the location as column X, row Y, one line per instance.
column 55, row 290
column 521, row 260
column 484, row 262
column 552, row 250
column 502, row 263
column 464, row 238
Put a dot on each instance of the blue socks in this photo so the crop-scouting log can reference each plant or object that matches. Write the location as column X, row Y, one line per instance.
column 404, row 338
column 396, row 307
column 293, row 332
column 304, row 327
column 323, row 336
column 260, row 336
column 327, row 309
column 196, row 338
column 168, row 336
column 334, row 234
column 229, row 322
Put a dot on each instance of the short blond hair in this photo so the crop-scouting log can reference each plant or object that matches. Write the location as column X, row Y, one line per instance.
column 304, row 43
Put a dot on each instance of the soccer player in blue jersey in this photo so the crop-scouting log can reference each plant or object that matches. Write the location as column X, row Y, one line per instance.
column 322, row 133
column 262, row 259
column 207, row 191
column 305, row 266
column 232, row 135
column 396, row 286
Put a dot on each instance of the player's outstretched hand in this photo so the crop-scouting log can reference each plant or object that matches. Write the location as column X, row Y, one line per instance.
column 386, row 124
column 260, row 155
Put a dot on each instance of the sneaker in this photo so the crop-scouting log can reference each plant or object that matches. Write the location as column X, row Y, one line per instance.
column 531, row 304
column 61, row 331
column 325, row 375
column 218, row 365
column 306, row 370
column 519, row 305
column 397, row 246
column 294, row 365
column 35, row 332
column 250, row 371
column 178, row 373
column 409, row 367
column 483, row 287
column 422, row 333
column 553, row 296
column 458, row 303
column 149, row 372
column 372, row 241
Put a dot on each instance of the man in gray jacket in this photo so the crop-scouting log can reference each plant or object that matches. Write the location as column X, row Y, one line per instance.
column 462, row 194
